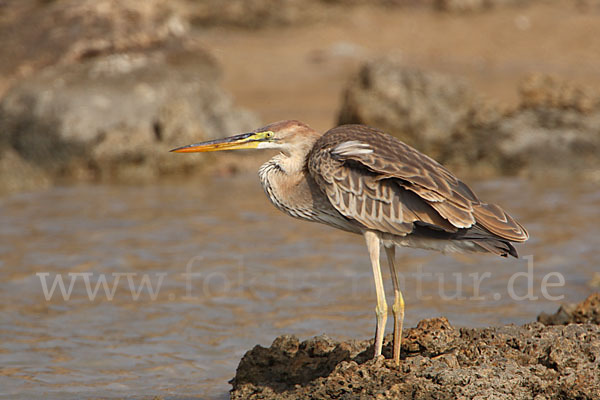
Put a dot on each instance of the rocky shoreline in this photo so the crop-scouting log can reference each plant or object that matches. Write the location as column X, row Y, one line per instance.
column 534, row 361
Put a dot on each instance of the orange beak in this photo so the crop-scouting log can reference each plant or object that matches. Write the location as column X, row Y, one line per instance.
column 243, row 141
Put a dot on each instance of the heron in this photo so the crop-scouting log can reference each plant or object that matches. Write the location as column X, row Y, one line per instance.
column 364, row 181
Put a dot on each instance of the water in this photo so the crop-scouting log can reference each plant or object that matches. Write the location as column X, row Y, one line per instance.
column 228, row 271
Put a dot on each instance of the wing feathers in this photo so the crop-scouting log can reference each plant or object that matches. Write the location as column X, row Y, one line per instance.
column 351, row 148
column 498, row 222
column 386, row 185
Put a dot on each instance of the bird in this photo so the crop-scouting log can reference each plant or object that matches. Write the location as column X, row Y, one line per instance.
column 361, row 180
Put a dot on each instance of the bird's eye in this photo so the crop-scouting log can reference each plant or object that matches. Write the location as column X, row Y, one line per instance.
column 269, row 135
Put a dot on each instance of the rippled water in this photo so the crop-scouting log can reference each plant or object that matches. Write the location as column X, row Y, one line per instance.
column 228, row 271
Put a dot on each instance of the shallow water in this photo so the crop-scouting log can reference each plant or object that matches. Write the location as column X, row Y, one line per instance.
column 229, row 271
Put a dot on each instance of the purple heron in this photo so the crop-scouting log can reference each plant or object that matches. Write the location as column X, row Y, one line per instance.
column 361, row 180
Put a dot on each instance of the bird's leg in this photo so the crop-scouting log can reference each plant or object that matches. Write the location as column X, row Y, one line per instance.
column 381, row 310
column 398, row 306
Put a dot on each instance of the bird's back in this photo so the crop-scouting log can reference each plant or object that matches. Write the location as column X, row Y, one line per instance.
column 382, row 184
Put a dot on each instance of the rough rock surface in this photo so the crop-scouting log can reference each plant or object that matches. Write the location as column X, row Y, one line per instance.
column 532, row 361
column 102, row 89
column 17, row 175
column 69, row 31
column 555, row 128
column 256, row 14
column 586, row 312
column 476, row 5
column 416, row 106
column 116, row 116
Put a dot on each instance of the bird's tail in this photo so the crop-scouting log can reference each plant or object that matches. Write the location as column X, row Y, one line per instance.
column 496, row 246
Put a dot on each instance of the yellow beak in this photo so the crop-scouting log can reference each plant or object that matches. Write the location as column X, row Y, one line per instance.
column 243, row 141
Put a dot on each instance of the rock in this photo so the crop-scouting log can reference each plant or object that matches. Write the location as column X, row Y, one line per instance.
column 563, row 316
column 532, row 361
column 553, row 131
column 416, row 106
column 115, row 117
column 256, row 14
column 547, row 92
column 69, row 31
column 17, row 175
column 476, row 5
column 103, row 89
column 431, row 337
column 586, row 312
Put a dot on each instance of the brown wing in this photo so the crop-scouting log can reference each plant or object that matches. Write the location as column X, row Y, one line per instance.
column 388, row 186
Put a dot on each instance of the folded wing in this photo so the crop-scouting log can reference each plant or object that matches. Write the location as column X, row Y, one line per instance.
column 388, row 186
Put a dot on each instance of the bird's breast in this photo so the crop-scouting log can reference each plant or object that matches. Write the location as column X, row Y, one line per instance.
column 285, row 191
column 297, row 195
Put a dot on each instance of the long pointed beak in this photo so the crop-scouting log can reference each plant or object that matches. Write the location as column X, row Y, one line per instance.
column 243, row 141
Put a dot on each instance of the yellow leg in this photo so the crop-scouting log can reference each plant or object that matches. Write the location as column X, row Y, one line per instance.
column 398, row 306
column 381, row 310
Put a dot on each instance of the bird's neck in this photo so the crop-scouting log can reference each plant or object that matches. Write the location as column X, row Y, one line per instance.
column 290, row 164
column 285, row 184
column 285, row 177
column 292, row 159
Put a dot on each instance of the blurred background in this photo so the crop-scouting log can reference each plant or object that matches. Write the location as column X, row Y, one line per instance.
column 128, row 271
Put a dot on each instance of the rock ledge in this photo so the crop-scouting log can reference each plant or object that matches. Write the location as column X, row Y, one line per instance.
column 533, row 361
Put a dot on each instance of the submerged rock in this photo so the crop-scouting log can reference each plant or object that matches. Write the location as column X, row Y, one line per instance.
column 553, row 130
column 532, row 361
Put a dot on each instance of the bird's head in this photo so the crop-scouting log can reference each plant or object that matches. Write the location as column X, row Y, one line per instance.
column 286, row 136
